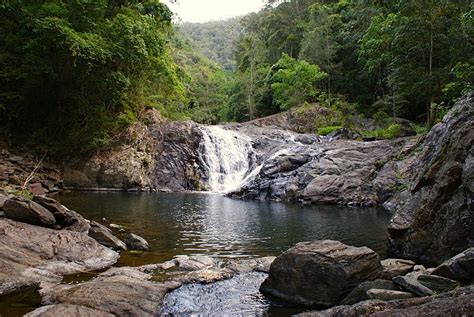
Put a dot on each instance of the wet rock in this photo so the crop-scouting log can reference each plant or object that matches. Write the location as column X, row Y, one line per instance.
column 307, row 139
column 320, row 272
column 135, row 242
column 459, row 268
column 67, row 310
column 412, row 286
column 251, row 265
column 436, row 221
column 28, row 211
column 359, row 293
column 437, row 283
column 194, row 263
column 104, row 236
column 383, row 294
column 116, row 227
column 31, row 254
column 121, row 293
column 456, row 303
column 63, row 216
column 396, row 267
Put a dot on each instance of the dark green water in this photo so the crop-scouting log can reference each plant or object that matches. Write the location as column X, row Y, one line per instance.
column 210, row 224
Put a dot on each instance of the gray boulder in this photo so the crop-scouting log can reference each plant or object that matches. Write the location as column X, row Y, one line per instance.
column 320, row 272
column 104, row 236
column 63, row 216
column 459, row 268
column 28, row 211
column 135, row 242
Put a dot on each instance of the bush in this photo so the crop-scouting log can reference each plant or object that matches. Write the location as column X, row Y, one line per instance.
column 393, row 131
column 329, row 129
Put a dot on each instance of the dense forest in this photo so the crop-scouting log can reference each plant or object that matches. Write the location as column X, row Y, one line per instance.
column 74, row 73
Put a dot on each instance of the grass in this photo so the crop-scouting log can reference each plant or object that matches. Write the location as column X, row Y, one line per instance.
column 329, row 129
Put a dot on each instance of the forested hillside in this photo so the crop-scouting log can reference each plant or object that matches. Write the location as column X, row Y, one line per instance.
column 75, row 73
column 215, row 39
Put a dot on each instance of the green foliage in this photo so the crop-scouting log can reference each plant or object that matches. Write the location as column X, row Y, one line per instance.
column 75, row 72
column 327, row 130
column 391, row 132
column 294, row 82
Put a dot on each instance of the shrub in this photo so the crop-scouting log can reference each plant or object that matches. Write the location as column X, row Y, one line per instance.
column 329, row 129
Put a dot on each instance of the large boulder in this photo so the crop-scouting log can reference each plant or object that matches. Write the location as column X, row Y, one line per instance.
column 320, row 272
column 32, row 254
column 460, row 267
column 28, row 211
column 435, row 218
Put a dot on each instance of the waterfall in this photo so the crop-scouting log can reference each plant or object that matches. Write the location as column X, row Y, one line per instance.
column 227, row 158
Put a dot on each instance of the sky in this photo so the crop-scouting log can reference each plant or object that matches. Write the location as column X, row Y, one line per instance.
column 207, row 10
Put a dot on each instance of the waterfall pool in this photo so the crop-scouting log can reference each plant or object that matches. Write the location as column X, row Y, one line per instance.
column 214, row 225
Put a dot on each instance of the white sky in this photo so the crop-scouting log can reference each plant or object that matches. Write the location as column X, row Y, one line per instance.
column 207, row 10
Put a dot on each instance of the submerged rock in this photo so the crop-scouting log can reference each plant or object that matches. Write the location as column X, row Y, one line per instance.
column 28, row 211
column 434, row 220
column 135, row 242
column 320, row 272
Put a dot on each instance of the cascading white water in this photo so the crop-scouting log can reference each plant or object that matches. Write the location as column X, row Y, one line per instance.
column 226, row 156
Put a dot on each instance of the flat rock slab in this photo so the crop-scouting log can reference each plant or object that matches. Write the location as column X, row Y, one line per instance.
column 437, row 283
column 396, row 267
column 31, row 254
column 119, row 292
column 67, row 310
column 412, row 286
column 320, row 272
column 384, row 294
column 194, row 263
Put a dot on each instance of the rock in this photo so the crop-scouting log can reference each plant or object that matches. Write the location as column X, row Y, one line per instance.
column 37, row 189
column 320, row 272
column 3, row 199
column 456, row 303
column 307, row 139
column 436, row 221
column 135, row 242
column 359, row 293
column 121, row 293
column 31, row 254
column 417, row 271
column 437, row 283
column 63, row 216
column 194, row 263
column 116, row 227
column 412, row 286
column 16, row 159
column 396, row 267
column 459, row 268
column 67, row 310
column 344, row 133
column 81, row 225
column 383, row 294
column 251, row 265
column 28, row 211
column 104, row 236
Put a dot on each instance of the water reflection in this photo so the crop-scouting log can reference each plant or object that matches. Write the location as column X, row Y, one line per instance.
column 194, row 223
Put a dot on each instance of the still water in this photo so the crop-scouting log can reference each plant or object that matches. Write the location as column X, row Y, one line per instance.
column 214, row 225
